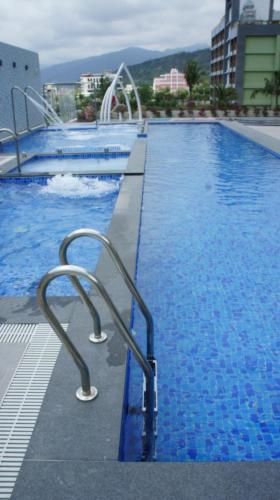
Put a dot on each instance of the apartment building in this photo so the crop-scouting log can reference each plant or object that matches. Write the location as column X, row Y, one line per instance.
column 173, row 81
column 91, row 81
column 245, row 48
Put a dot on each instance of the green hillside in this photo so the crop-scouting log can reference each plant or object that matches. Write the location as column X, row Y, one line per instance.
column 145, row 72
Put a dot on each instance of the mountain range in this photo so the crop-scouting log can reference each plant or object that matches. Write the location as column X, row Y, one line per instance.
column 148, row 70
column 70, row 71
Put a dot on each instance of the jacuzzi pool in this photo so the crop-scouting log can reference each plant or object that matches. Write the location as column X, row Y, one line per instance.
column 76, row 141
column 36, row 214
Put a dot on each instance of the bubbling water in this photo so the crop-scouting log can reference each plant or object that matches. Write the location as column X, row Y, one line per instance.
column 69, row 186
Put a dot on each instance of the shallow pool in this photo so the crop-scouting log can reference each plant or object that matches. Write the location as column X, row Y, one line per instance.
column 75, row 165
column 36, row 215
column 86, row 139
column 209, row 269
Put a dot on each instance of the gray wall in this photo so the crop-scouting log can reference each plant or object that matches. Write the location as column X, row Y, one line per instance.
column 21, row 76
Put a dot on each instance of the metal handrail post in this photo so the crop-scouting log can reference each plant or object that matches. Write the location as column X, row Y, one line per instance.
column 10, row 131
column 27, row 114
column 86, row 392
column 75, row 271
column 91, row 233
column 15, row 87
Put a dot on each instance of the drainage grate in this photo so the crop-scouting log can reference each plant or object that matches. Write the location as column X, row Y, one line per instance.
column 21, row 405
column 10, row 333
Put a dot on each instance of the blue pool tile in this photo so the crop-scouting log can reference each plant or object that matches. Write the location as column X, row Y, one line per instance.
column 209, row 269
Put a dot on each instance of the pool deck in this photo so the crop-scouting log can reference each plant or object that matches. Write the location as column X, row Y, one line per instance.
column 73, row 452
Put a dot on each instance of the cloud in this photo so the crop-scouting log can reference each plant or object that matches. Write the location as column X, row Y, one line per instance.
column 71, row 29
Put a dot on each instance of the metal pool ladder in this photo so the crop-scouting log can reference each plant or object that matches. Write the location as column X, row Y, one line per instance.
column 147, row 363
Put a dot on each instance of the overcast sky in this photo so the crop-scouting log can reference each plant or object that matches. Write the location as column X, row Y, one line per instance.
column 63, row 30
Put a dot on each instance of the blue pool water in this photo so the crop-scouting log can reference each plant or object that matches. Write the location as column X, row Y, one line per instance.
column 74, row 165
column 209, row 269
column 77, row 140
column 35, row 217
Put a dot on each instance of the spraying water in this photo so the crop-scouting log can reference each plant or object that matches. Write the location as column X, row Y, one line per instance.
column 69, row 186
column 51, row 116
column 46, row 103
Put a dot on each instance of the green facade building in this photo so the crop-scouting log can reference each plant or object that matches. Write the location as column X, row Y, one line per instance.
column 261, row 60
column 246, row 49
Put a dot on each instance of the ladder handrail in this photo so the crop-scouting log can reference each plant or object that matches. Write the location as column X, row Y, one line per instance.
column 74, row 271
column 41, row 296
column 91, row 233
column 15, row 87
column 14, row 136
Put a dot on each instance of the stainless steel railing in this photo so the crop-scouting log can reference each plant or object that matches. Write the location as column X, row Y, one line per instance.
column 91, row 233
column 18, row 89
column 86, row 392
column 14, row 136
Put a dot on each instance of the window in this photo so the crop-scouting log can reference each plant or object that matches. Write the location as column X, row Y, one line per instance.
column 26, row 67
column 1, row 62
column 14, row 64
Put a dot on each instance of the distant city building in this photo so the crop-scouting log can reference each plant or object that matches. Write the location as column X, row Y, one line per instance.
column 173, row 81
column 91, row 81
column 245, row 48
column 61, row 96
column 18, row 67
column 129, row 88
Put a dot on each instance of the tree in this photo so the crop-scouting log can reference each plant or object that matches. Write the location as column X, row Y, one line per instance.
column 165, row 99
column 193, row 74
column 223, row 96
column 271, row 87
column 102, row 87
column 201, row 92
column 145, row 92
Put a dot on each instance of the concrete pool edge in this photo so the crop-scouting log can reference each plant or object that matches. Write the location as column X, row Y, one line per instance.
column 270, row 143
column 110, row 479
column 108, row 361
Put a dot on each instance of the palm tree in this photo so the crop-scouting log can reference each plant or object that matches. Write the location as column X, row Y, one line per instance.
column 223, row 96
column 271, row 87
column 193, row 74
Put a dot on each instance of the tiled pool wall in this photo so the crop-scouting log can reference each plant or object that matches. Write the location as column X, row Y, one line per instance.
column 208, row 268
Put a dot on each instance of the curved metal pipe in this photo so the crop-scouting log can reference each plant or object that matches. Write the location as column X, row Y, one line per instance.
column 74, row 271
column 111, row 92
column 9, row 131
column 126, row 100
column 98, row 336
column 91, row 233
column 140, row 117
column 106, row 108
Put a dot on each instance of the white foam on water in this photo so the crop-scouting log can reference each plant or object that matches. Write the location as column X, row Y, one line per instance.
column 69, row 186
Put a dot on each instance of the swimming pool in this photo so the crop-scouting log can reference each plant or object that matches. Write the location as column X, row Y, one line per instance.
column 74, row 165
column 36, row 214
column 69, row 140
column 208, row 267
